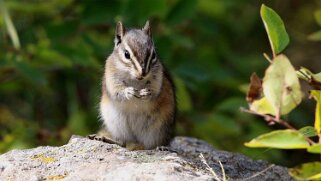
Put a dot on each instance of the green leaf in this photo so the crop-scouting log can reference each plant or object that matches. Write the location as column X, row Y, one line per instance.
column 281, row 86
column 275, row 29
column 317, row 77
column 262, row 106
column 316, row 36
column 283, row 139
column 317, row 16
column 316, row 148
column 316, row 94
column 308, row 131
column 307, row 171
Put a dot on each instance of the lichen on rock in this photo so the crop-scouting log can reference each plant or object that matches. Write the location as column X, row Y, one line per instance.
column 85, row 159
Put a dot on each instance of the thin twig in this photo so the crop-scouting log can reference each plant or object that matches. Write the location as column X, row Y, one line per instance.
column 10, row 26
column 209, row 168
column 223, row 171
column 267, row 57
column 259, row 173
column 271, row 120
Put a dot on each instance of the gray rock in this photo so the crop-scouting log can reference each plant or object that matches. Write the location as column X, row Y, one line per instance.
column 84, row 159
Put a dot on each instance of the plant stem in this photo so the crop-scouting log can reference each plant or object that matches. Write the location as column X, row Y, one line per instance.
column 271, row 119
column 319, row 135
column 10, row 26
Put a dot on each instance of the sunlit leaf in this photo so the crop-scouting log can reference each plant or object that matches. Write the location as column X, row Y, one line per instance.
column 283, row 139
column 316, row 94
column 281, row 86
column 275, row 29
column 262, row 106
column 316, row 148
column 308, row 131
column 316, row 36
column 317, row 77
column 307, row 171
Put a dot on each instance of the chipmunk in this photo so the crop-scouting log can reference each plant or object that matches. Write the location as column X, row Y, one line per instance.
column 138, row 103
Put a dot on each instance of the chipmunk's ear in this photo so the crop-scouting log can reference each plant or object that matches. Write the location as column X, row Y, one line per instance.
column 120, row 32
column 147, row 29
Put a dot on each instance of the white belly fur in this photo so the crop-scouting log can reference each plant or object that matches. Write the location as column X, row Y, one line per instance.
column 131, row 121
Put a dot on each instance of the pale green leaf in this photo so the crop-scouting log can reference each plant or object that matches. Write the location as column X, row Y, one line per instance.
column 281, row 86
column 283, row 139
column 317, row 15
column 262, row 106
column 316, row 148
column 307, row 171
column 317, row 77
column 316, row 94
column 308, row 131
column 316, row 36
column 275, row 29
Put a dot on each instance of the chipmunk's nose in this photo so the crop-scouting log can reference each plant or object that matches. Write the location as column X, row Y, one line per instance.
column 141, row 76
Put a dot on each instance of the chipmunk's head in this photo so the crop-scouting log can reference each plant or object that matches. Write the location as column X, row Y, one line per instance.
column 135, row 50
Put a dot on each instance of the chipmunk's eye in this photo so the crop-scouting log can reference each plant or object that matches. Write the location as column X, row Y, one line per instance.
column 153, row 55
column 127, row 55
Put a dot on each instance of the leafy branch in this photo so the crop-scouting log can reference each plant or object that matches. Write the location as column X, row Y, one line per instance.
column 278, row 93
column 272, row 120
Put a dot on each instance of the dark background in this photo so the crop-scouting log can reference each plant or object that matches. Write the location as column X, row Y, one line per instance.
column 50, row 87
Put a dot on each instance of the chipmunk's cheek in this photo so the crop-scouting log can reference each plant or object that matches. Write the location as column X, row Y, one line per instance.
column 132, row 74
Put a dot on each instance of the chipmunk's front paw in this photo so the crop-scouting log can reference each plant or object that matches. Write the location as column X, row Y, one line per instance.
column 143, row 93
column 129, row 92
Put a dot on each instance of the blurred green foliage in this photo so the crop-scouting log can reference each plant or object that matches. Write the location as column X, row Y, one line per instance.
column 50, row 86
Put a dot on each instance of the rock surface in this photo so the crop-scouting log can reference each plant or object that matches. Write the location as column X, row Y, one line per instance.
column 84, row 159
